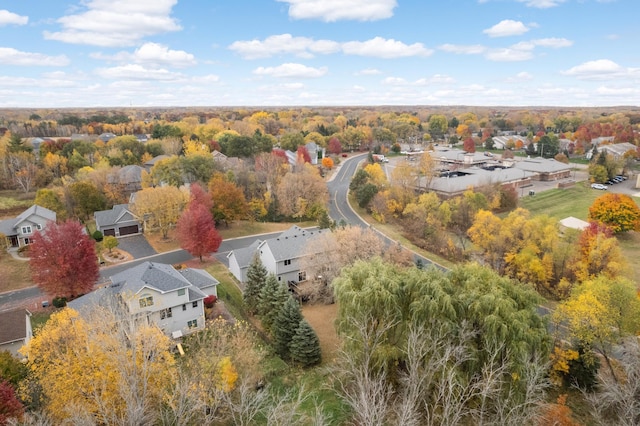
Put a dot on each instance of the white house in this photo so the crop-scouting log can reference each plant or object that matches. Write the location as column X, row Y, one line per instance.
column 280, row 255
column 15, row 331
column 19, row 231
column 170, row 298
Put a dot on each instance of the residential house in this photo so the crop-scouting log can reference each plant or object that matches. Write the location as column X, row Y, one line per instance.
column 19, row 231
column 16, row 330
column 501, row 142
column 149, row 164
column 158, row 293
column 281, row 255
column 141, row 137
column 117, row 222
column 128, row 178
column 224, row 161
column 106, row 137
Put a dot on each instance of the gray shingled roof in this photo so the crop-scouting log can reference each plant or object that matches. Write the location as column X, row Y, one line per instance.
column 244, row 255
column 542, row 165
column 292, row 242
column 14, row 325
column 199, row 278
column 8, row 226
column 157, row 276
column 110, row 217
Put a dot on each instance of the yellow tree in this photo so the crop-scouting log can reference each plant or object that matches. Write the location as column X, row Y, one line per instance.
column 302, row 194
column 102, row 366
column 192, row 147
column 160, row 207
column 376, row 174
column 598, row 254
column 600, row 312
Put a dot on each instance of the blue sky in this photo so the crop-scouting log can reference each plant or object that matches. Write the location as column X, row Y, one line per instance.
column 94, row 53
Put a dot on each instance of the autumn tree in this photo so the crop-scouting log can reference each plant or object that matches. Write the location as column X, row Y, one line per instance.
column 63, row 260
column 85, row 199
column 334, row 146
column 599, row 313
column 160, row 207
column 327, row 163
column 598, row 253
column 302, row 194
column 618, row 211
column 110, row 242
column 104, row 367
column 10, row 406
column 229, row 203
column 49, row 199
column 256, row 279
column 469, row 145
column 196, row 229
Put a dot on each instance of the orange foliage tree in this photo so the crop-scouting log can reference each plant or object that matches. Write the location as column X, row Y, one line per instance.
column 327, row 163
column 618, row 211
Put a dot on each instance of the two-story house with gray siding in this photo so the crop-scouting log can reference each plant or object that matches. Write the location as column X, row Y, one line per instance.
column 170, row 298
column 280, row 255
column 19, row 231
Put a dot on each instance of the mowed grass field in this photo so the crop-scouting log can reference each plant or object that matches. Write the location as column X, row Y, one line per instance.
column 561, row 203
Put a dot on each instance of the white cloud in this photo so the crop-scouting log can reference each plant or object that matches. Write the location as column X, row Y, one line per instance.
column 395, row 81
column 508, row 55
column 379, row 47
column 307, row 47
column 471, row 49
column 552, row 42
column 137, row 72
column 113, row 23
column 601, row 69
column 617, row 91
column 290, row 70
column 435, row 79
column 151, row 54
column 506, row 28
column 10, row 56
column 368, row 71
column 10, row 18
column 158, row 54
column 520, row 77
column 542, row 4
column 336, row 10
column 283, row 44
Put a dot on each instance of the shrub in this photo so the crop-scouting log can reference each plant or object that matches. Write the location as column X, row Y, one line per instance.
column 97, row 235
column 395, row 148
column 59, row 302
column 209, row 301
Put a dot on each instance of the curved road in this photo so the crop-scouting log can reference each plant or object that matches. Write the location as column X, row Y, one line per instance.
column 340, row 209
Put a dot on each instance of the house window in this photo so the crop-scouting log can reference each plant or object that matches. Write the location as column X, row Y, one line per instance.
column 165, row 313
column 192, row 323
column 195, row 304
column 27, row 241
column 302, row 276
column 39, row 227
column 184, row 307
column 26, row 229
column 279, row 278
column 181, row 292
column 287, row 262
column 146, row 301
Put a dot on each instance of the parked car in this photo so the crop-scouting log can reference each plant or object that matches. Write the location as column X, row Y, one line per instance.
column 617, row 179
column 622, row 177
column 599, row 186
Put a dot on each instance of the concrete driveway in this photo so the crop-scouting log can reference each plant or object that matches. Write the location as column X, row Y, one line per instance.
column 136, row 245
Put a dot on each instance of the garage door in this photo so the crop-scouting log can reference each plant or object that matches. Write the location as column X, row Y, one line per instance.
column 110, row 231
column 128, row 230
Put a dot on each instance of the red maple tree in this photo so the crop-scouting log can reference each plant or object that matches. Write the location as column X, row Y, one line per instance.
column 63, row 260
column 196, row 230
column 10, row 406
column 469, row 145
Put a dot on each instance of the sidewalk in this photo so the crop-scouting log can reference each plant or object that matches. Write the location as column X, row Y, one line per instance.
column 14, row 253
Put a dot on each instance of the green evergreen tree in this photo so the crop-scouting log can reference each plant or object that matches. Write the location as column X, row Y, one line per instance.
column 256, row 278
column 305, row 346
column 273, row 295
column 285, row 325
column 324, row 221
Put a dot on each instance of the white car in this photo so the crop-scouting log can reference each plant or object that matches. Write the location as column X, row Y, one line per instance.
column 599, row 186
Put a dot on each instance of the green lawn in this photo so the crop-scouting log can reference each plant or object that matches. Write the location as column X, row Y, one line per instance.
column 561, row 203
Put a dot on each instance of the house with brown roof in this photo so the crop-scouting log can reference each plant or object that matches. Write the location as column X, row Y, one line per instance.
column 15, row 331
